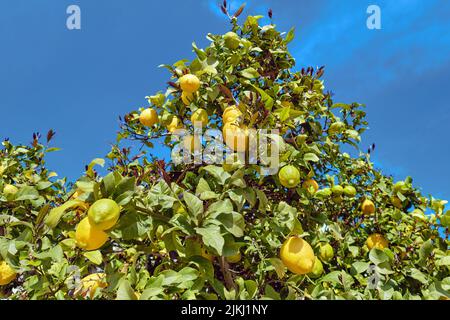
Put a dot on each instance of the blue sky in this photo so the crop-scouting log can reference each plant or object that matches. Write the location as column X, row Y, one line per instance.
column 78, row 82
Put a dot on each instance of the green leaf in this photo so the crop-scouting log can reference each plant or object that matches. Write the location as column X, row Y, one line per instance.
column 27, row 193
column 94, row 256
column 377, row 256
column 202, row 186
column 194, row 204
column 56, row 214
column 220, row 175
column 266, row 98
column 360, row 266
column 90, row 168
column 233, row 222
column 250, row 73
column 278, row 266
column 200, row 53
column 418, row 275
column 290, row 36
column 125, row 291
column 311, row 157
column 263, row 201
column 212, row 237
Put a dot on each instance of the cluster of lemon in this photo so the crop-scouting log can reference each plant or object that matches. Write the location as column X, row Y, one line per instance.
column 297, row 254
column 299, row 257
column 289, row 177
column 235, row 134
column 90, row 232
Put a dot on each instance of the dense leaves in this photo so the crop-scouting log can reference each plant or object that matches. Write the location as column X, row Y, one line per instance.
column 181, row 223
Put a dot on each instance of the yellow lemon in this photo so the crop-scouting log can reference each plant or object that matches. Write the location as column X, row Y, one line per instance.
column 174, row 125
column 236, row 138
column 89, row 237
column 187, row 97
column 376, row 240
column 7, row 274
column 234, row 258
column 199, row 116
column 189, row 83
column 91, row 283
column 231, row 114
column 104, row 214
column 192, row 143
column 148, row 117
column 311, row 183
column 297, row 255
column 289, row 176
column 368, row 207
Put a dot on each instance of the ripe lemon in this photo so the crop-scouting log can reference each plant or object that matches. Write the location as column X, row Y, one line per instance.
column 376, row 240
column 174, row 125
column 236, row 138
column 317, row 269
column 234, row 258
column 289, row 176
column 326, row 252
column 104, row 214
column 192, row 143
column 231, row 114
column 297, row 255
column 201, row 116
column 91, row 283
column 232, row 40
column 368, row 207
column 148, row 117
column 311, row 183
column 189, row 83
column 350, row 191
column 7, row 274
column 187, row 97
column 89, row 237
column 397, row 202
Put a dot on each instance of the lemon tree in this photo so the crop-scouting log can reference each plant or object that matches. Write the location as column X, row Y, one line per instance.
column 323, row 226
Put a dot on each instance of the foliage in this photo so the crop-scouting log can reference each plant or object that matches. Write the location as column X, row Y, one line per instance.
column 180, row 222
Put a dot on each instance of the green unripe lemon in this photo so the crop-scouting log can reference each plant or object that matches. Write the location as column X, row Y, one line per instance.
column 289, row 176
column 104, row 214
